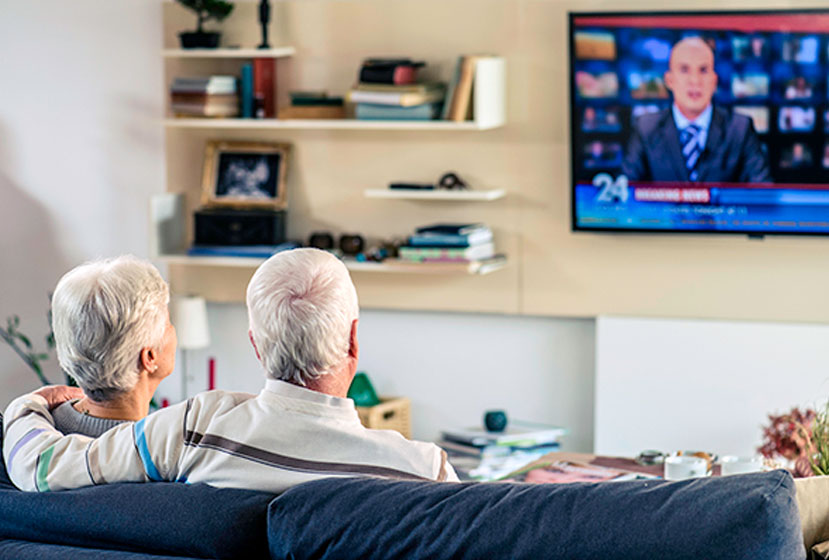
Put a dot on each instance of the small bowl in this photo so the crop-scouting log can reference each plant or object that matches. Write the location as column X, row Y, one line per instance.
column 680, row 467
column 733, row 464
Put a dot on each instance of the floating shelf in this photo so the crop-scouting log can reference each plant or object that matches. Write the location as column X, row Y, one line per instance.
column 326, row 124
column 436, row 194
column 277, row 52
column 388, row 266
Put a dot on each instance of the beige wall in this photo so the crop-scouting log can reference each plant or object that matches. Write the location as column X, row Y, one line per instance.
column 553, row 271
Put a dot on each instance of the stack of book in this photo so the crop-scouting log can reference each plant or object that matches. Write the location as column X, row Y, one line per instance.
column 489, row 455
column 313, row 105
column 387, row 90
column 455, row 243
column 208, row 96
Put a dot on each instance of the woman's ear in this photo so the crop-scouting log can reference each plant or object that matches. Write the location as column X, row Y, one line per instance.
column 353, row 346
column 253, row 343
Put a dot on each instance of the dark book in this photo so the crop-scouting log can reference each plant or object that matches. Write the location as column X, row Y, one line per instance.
column 456, row 229
column 321, row 102
column 246, row 85
column 449, row 240
column 389, row 71
column 263, row 88
column 251, row 251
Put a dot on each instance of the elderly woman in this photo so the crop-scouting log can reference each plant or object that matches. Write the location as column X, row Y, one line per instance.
column 113, row 335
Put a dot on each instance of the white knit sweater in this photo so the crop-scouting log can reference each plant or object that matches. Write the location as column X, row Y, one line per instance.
column 282, row 437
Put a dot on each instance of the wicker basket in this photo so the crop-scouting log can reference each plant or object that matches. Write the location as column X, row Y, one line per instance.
column 393, row 413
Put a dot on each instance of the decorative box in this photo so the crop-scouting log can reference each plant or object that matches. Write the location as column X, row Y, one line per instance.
column 393, row 413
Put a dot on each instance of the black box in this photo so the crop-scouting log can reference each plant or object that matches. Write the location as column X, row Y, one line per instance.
column 219, row 226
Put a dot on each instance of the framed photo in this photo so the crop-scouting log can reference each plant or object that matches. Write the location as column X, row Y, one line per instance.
column 245, row 174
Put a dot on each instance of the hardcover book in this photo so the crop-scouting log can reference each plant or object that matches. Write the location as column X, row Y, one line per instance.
column 366, row 111
column 394, row 98
column 246, row 83
column 389, row 71
column 409, row 88
column 428, row 254
column 263, row 86
column 450, row 239
column 455, row 229
column 517, row 434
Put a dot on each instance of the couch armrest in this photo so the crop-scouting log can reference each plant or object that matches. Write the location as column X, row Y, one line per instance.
column 813, row 504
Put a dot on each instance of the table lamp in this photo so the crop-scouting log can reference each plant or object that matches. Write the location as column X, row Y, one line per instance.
column 189, row 315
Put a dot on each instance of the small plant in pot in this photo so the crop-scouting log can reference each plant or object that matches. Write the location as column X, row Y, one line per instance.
column 205, row 11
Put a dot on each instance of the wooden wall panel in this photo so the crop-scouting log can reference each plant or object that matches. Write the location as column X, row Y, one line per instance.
column 553, row 271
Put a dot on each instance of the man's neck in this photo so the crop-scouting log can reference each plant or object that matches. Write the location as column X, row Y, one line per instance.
column 133, row 405
column 335, row 384
column 691, row 116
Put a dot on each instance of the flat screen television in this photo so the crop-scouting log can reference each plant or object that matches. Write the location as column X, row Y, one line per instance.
column 700, row 122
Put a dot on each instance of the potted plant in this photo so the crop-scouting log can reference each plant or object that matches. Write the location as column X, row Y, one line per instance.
column 205, row 11
column 789, row 437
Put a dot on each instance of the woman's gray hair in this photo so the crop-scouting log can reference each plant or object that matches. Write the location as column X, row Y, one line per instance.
column 301, row 305
column 103, row 313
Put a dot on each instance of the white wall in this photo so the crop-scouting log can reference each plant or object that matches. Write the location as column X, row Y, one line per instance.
column 707, row 385
column 80, row 148
column 452, row 366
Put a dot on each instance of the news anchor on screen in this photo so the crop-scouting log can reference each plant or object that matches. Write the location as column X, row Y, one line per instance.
column 693, row 140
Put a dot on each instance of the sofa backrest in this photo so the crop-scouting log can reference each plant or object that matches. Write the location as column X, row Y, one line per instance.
column 162, row 518
column 750, row 516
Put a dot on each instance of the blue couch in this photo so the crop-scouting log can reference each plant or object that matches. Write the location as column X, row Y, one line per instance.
column 743, row 517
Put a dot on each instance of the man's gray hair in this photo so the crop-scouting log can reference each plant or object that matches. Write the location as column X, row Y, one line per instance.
column 301, row 304
column 103, row 313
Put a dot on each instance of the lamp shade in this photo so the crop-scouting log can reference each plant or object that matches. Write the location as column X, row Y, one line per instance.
column 189, row 317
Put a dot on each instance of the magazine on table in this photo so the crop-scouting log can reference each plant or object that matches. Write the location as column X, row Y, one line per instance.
column 565, row 471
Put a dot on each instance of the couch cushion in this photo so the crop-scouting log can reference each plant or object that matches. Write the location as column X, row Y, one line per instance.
column 162, row 518
column 750, row 516
column 21, row 550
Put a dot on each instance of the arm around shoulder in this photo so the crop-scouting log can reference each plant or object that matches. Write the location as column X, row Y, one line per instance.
column 40, row 458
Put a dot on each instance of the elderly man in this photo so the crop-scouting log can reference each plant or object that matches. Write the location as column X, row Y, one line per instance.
column 693, row 140
column 303, row 310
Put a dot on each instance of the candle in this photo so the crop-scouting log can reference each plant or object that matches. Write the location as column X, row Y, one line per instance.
column 211, row 374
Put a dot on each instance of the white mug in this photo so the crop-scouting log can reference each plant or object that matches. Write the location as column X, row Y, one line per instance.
column 732, row 464
column 680, row 467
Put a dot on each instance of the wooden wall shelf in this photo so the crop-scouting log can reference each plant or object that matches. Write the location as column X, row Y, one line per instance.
column 389, row 266
column 325, row 124
column 441, row 195
column 277, row 52
column 169, row 243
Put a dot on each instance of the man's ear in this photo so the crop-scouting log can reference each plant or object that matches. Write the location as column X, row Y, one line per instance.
column 669, row 80
column 353, row 346
column 253, row 343
column 147, row 358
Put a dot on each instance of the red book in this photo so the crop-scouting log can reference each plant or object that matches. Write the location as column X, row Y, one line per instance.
column 264, row 87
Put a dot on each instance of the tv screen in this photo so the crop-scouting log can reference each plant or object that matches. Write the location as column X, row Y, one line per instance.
column 700, row 122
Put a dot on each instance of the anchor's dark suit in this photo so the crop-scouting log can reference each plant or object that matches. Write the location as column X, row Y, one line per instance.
column 732, row 151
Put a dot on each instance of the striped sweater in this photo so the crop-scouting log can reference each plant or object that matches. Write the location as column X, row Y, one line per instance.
column 284, row 436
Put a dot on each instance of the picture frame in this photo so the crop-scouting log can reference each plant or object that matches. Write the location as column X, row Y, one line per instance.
column 245, row 175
